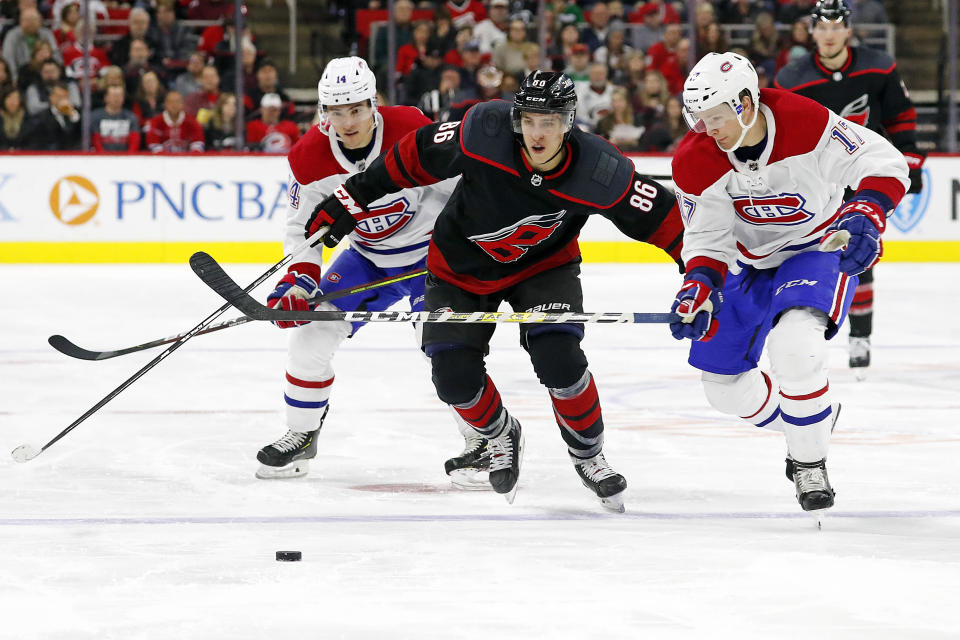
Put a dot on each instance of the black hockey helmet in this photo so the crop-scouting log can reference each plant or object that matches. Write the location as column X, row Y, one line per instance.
column 830, row 11
column 545, row 92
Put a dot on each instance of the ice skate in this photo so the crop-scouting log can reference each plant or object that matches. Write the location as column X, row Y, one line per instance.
column 597, row 475
column 859, row 356
column 814, row 492
column 471, row 469
column 506, row 454
column 289, row 457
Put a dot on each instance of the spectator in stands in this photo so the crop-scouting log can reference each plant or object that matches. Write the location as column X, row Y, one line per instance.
column 744, row 11
column 408, row 54
column 493, row 30
column 113, row 128
column 174, row 41
column 648, row 27
column 617, row 13
column 402, row 14
column 269, row 133
column 221, row 132
column 634, row 70
column 796, row 44
column 664, row 10
column 149, row 98
column 448, row 93
column 58, row 127
column 620, row 125
column 267, row 81
column 712, row 40
column 65, row 32
column 508, row 55
column 674, row 122
column 73, row 53
column 490, row 82
column 6, row 77
column 37, row 96
column 594, row 99
column 471, row 62
column 568, row 12
column 613, row 51
column 138, row 63
column 652, row 97
column 559, row 51
column 764, row 43
column 29, row 73
column 443, row 31
column 200, row 104
column 111, row 76
column 454, row 56
column 138, row 26
column 704, row 16
column 225, row 50
column 665, row 50
column 189, row 81
column 248, row 68
column 56, row 11
column 211, row 9
column 425, row 75
column 796, row 10
column 19, row 43
column 174, row 130
column 466, row 13
column 595, row 33
column 578, row 63
column 531, row 62
column 13, row 118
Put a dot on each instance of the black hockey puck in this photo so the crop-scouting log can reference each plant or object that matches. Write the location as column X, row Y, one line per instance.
column 289, row 556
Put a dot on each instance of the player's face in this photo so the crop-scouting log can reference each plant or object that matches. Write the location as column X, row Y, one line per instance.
column 542, row 136
column 352, row 122
column 831, row 37
column 720, row 123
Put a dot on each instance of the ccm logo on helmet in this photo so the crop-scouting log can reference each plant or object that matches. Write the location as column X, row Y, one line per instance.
column 784, row 208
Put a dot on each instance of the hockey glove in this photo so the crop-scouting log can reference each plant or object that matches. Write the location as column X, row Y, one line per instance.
column 697, row 304
column 864, row 220
column 292, row 294
column 336, row 211
column 915, row 164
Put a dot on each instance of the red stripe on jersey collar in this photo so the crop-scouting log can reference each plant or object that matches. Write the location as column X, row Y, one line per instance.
column 830, row 72
column 556, row 173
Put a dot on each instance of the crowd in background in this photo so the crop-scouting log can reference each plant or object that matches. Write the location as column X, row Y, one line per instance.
column 629, row 62
column 160, row 86
column 155, row 84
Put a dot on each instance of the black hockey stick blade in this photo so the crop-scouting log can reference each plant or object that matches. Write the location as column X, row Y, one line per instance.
column 68, row 348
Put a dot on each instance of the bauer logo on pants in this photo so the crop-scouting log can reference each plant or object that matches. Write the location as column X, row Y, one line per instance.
column 74, row 200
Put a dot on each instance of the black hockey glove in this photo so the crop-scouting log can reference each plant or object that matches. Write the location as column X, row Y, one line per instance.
column 337, row 211
column 915, row 164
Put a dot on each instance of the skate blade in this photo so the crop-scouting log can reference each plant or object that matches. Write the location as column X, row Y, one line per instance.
column 292, row 470
column 510, row 495
column 860, row 374
column 614, row 503
column 470, row 480
column 819, row 517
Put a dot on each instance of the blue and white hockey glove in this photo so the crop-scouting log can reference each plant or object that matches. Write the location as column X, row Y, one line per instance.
column 697, row 304
column 292, row 294
column 337, row 211
column 864, row 220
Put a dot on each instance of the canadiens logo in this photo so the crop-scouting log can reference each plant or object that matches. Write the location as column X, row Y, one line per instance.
column 382, row 221
column 333, row 276
column 784, row 208
column 512, row 243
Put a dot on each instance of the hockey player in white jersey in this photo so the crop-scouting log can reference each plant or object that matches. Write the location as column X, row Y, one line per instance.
column 392, row 239
column 761, row 199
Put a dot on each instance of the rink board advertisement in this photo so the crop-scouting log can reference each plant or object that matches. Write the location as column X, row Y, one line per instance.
column 80, row 208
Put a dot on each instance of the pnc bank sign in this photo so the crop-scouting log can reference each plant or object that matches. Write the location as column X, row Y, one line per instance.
column 75, row 200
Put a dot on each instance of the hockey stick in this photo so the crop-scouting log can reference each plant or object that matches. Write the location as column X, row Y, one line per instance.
column 26, row 452
column 68, row 348
column 216, row 278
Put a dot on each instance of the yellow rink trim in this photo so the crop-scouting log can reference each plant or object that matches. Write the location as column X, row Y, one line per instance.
column 270, row 252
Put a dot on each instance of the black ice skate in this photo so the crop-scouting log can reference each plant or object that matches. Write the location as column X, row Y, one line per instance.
column 814, row 492
column 860, row 356
column 597, row 475
column 471, row 469
column 506, row 454
column 289, row 457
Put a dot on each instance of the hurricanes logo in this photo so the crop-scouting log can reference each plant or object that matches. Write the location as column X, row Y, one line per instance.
column 857, row 111
column 74, row 200
column 384, row 220
column 783, row 208
column 512, row 243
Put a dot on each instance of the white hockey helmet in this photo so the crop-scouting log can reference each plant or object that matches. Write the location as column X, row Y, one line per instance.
column 346, row 81
column 713, row 90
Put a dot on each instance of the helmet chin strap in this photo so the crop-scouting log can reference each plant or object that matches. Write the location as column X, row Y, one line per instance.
column 744, row 128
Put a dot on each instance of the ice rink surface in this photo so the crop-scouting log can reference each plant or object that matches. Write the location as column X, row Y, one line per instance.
column 147, row 522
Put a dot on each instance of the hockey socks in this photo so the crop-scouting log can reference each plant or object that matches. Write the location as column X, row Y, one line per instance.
column 577, row 410
column 485, row 413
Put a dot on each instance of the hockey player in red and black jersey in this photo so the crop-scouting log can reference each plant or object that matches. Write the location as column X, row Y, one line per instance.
column 509, row 233
column 862, row 85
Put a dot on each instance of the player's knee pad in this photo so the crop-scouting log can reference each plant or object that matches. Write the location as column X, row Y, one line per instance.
column 797, row 345
column 557, row 357
column 312, row 346
column 458, row 374
column 738, row 395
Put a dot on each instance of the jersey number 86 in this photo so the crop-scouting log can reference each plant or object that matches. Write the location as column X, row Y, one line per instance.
column 643, row 198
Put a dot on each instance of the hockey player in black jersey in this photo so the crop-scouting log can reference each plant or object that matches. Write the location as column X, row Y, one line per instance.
column 509, row 233
column 862, row 85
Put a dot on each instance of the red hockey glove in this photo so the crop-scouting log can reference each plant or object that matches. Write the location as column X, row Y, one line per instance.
column 292, row 294
column 337, row 211
column 864, row 221
column 697, row 303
